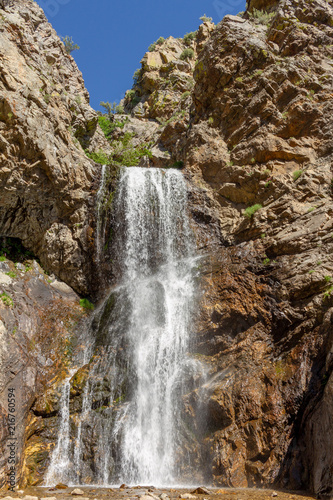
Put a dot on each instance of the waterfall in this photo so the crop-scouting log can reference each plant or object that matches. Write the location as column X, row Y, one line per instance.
column 99, row 222
column 158, row 281
column 61, row 456
column 132, row 403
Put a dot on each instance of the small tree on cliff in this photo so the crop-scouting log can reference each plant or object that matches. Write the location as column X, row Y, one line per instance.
column 70, row 46
column 112, row 109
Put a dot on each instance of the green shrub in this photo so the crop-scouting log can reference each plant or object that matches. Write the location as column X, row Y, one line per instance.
column 86, row 304
column 187, row 54
column 105, row 125
column 136, row 76
column 6, row 299
column 136, row 99
column 70, row 46
column 206, row 19
column 124, row 153
column 261, row 16
column 131, row 156
column 250, row 211
column 328, row 292
column 109, row 126
column 297, row 174
column 99, row 157
column 130, row 94
column 132, row 97
column 152, row 47
column 189, row 37
column 11, row 274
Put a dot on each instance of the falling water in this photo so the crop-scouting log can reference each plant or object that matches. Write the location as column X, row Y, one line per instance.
column 99, row 222
column 61, row 455
column 158, row 278
column 142, row 333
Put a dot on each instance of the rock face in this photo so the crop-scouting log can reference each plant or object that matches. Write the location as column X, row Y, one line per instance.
column 38, row 316
column 46, row 180
column 249, row 119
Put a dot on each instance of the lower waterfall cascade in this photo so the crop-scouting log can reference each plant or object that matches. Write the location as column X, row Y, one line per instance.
column 129, row 426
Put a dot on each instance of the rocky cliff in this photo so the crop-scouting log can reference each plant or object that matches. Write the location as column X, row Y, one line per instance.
column 46, row 180
column 245, row 109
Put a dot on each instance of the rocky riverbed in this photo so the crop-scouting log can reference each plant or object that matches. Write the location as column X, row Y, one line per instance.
column 152, row 493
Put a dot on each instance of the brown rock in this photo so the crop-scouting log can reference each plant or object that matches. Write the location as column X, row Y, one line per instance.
column 201, row 491
column 61, row 486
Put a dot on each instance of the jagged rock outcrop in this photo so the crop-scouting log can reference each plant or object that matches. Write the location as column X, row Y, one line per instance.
column 46, row 180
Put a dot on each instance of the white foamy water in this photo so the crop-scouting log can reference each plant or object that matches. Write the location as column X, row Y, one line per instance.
column 158, row 274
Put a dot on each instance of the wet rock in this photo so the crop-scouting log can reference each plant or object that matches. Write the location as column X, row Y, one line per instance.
column 77, row 492
column 61, row 486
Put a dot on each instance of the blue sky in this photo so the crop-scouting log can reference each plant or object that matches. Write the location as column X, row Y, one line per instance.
column 114, row 35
